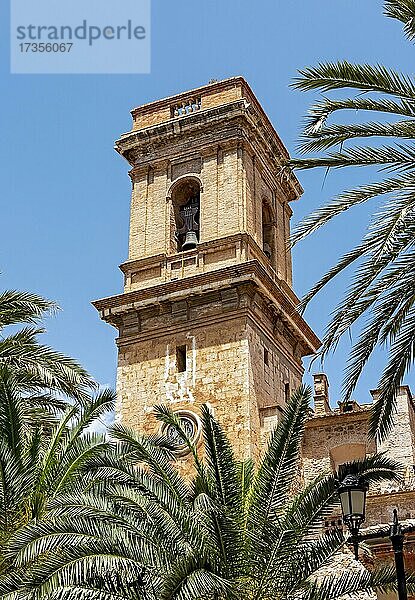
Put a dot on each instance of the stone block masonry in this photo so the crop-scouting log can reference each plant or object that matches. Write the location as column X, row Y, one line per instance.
column 216, row 323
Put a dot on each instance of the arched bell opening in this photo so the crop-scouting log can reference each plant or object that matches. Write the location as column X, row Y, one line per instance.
column 268, row 232
column 185, row 215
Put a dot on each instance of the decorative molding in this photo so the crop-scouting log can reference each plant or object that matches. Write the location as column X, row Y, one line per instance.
column 251, row 272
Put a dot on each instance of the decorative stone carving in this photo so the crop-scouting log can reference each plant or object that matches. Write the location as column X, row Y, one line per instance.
column 191, row 425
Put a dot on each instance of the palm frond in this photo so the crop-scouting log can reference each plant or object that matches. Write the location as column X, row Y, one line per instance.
column 221, row 461
column 306, row 513
column 119, row 530
column 48, row 368
column 388, row 157
column 401, row 357
column 366, row 78
column 336, row 135
column 372, row 469
column 382, row 260
column 193, row 577
column 137, row 448
column 349, row 199
column 93, row 408
column 403, row 11
column 23, row 307
column 386, row 319
column 277, row 470
column 321, row 110
column 383, row 257
column 168, row 417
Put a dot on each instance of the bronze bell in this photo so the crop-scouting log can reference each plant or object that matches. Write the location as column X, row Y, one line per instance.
column 190, row 241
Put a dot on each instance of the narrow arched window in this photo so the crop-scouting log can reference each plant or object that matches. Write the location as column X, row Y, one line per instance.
column 287, row 392
column 268, row 238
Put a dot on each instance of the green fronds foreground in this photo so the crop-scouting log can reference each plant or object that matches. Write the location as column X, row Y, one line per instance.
column 381, row 294
column 113, row 518
column 39, row 366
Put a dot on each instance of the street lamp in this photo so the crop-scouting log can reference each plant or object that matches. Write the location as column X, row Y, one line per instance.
column 352, row 494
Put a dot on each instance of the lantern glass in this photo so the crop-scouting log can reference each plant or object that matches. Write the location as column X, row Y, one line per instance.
column 345, row 502
column 357, row 502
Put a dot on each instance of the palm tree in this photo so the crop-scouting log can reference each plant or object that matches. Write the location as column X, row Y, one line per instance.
column 381, row 292
column 46, row 452
column 46, row 411
column 21, row 352
column 233, row 530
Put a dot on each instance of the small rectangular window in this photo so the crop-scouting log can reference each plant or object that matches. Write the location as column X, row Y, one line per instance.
column 266, row 357
column 286, row 392
column 181, row 352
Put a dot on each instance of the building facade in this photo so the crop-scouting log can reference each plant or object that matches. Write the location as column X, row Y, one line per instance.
column 208, row 313
column 336, row 436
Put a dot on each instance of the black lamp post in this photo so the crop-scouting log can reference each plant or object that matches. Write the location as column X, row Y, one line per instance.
column 397, row 538
column 352, row 493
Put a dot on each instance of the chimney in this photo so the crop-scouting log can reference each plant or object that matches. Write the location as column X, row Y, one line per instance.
column 321, row 394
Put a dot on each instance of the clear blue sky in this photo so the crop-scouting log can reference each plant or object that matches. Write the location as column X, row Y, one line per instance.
column 65, row 192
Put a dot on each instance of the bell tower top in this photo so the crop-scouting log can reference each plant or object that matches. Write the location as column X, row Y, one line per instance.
column 210, row 96
column 208, row 188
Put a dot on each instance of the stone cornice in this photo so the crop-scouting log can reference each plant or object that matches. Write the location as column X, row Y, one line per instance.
column 236, row 120
column 176, row 98
column 252, row 271
column 223, row 318
column 178, row 328
column 130, row 266
column 217, row 86
column 163, row 132
column 336, row 418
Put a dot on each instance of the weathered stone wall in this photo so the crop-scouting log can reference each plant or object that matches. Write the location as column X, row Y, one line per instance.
column 325, row 434
column 400, row 442
column 380, row 507
column 333, row 437
column 226, row 368
column 226, row 300
column 217, row 374
column 232, row 193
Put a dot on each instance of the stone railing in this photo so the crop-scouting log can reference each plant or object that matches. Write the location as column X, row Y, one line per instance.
column 190, row 105
column 207, row 256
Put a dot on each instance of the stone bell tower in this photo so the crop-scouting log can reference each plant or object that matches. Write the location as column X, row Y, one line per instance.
column 208, row 313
